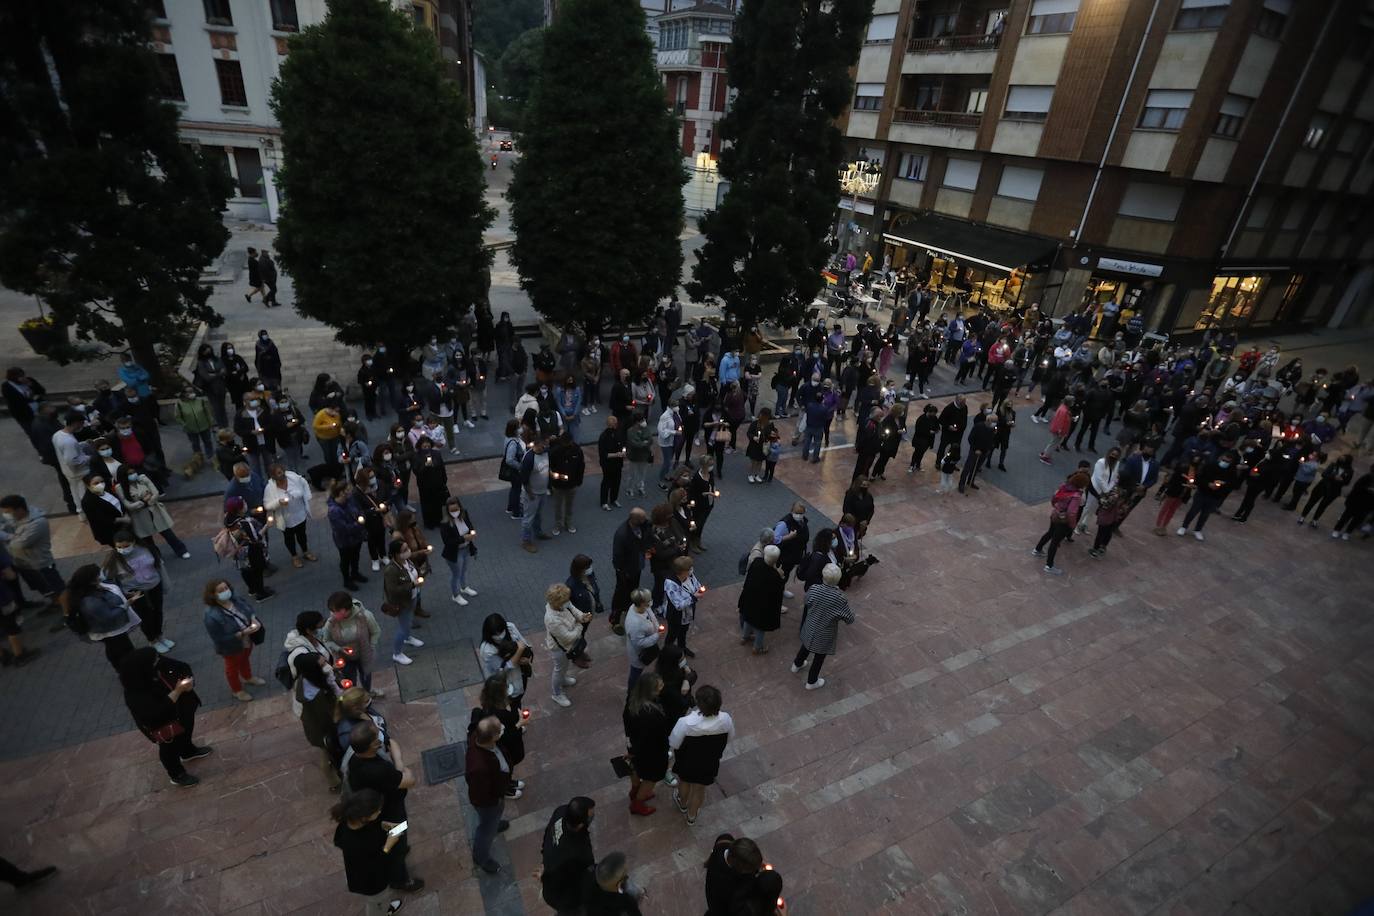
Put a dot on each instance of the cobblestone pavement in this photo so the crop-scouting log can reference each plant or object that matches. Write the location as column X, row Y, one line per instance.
column 1179, row 727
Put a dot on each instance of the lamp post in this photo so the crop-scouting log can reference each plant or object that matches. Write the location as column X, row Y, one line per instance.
column 859, row 177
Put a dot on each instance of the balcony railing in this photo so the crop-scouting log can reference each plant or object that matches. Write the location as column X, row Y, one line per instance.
column 954, row 43
column 968, row 119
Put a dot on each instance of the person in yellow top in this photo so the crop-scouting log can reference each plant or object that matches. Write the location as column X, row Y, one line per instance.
column 328, row 426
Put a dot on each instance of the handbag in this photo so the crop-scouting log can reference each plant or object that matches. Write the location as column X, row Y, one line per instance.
column 166, row 734
column 260, row 634
column 391, row 610
column 579, row 648
column 621, row 766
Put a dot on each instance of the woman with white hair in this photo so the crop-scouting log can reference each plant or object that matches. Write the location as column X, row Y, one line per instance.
column 825, row 607
column 760, row 600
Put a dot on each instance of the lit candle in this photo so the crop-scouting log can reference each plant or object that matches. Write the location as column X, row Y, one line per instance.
column 339, row 662
column 420, row 580
column 360, row 520
column 702, row 590
column 381, row 506
column 347, row 684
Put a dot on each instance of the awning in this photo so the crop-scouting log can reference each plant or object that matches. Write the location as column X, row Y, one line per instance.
column 995, row 248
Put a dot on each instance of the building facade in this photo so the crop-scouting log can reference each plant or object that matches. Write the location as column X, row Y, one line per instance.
column 692, row 43
column 219, row 58
column 1199, row 162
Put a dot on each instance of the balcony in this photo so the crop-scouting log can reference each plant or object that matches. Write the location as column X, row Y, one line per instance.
column 950, row 43
column 964, row 119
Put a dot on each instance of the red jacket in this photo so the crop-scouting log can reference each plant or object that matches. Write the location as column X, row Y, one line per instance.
column 487, row 782
column 1062, row 421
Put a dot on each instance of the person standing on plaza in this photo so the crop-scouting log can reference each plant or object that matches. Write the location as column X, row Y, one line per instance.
column 143, row 505
column 792, row 534
column 627, row 559
column 642, row 632
column 349, row 534
column 286, row 496
column 30, row 545
column 826, row 607
column 494, row 701
column 567, row 469
column 352, row 630
column 209, row 377
column 1215, row 482
column 22, row 395
column 982, row 438
column 488, row 778
column 99, row 611
column 731, row 868
column 401, row 588
column 698, row 741
column 160, row 694
column 315, row 691
column 460, row 547
column 681, row 591
column 760, row 600
column 137, row 570
column 647, row 727
column 1065, row 507
column 564, row 624
column 639, row 441
column 953, row 422
column 255, row 286
column 566, row 852
column 367, row 844
column 503, row 651
column 701, row 496
column 1061, row 424
column 534, row 483
column 1333, row 480
column 391, row 780
column 269, row 279
column 192, row 414
column 234, row 629
column 586, row 593
column 267, row 360
column 72, row 460
column 611, row 452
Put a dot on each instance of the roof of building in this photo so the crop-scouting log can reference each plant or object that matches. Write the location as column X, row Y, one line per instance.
column 703, row 7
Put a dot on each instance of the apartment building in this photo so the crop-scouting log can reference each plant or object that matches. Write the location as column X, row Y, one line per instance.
column 219, row 58
column 692, row 41
column 1198, row 162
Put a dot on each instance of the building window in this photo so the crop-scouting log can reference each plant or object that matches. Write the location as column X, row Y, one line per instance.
column 1234, row 108
column 1201, row 14
column 1165, row 109
column 284, row 18
column 1318, row 131
column 170, row 78
column 882, row 29
column 1028, row 103
column 1273, row 17
column 1261, row 208
column 231, row 88
column 217, row 12
column 1049, row 17
column 1232, row 301
column 868, row 96
column 249, row 166
column 1354, row 136
column 962, row 174
column 1020, row 183
column 912, row 167
column 977, row 101
column 417, row 15
column 1144, row 200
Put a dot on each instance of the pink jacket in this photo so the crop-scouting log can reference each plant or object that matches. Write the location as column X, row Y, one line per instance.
column 1062, row 422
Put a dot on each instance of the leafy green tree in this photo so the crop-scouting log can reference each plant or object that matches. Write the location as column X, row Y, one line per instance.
column 104, row 214
column 383, row 217
column 496, row 24
column 596, row 198
column 765, row 245
column 519, row 65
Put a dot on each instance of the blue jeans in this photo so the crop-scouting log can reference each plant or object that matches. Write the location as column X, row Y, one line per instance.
column 201, row 442
column 488, row 824
column 756, row 634
column 458, row 572
column 780, row 407
column 531, row 523
column 811, row 444
column 403, row 621
column 513, row 501
column 667, row 462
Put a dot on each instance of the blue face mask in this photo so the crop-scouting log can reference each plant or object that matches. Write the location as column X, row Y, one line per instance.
column 1223, row 464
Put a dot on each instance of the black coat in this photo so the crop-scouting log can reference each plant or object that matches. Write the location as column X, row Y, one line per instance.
column 858, row 503
column 101, row 517
column 760, row 600
column 148, row 702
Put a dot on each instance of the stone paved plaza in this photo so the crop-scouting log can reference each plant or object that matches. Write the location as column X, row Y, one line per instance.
column 1179, row 727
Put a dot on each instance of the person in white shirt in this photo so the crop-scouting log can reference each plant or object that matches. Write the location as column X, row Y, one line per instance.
column 72, row 459
column 698, row 741
column 287, row 498
column 1104, row 478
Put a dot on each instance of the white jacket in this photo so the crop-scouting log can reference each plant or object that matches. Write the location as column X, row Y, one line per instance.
column 1104, row 479
column 562, row 627
column 667, row 428
column 297, row 491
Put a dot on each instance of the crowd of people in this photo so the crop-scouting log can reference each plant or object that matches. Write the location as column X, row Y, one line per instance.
column 1193, row 425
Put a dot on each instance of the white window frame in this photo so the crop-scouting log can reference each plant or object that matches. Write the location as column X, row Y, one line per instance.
column 1052, row 17
column 962, row 169
column 1231, row 117
column 910, row 163
column 1020, row 183
column 1201, row 15
column 1165, row 109
column 1028, row 103
column 868, row 96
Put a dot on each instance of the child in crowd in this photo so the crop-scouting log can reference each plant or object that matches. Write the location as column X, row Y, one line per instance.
column 949, row 466
column 774, row 455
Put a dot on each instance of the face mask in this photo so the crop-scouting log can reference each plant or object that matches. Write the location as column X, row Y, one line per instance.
column 262, row 337
column 254, row 404
column 259, row 387
column 106, row 452
column 381, row 349
column 224, row 594
column 400, row 436
column 97, row 488
column 589, row 570
column 410, row 388
column 125, row 551
column 798, row 516
column 1223, row 464
column 133, row 400
column 134, row 477
column 367, row 362
column 453, row 514
column 7, row 516
column 386, row 456
column 229, row 351
column 1321, row 419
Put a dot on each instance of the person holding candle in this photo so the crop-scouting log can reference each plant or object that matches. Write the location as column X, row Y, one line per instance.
column 701, row 497
column 1065, row 507
column 160, row 694
column 534, row 482
column 1214, row 483
column 347, row 525
column 1358, row 504
column 368, row 503
column 611, row 452
column 315, row 692
column 494, row 702
column 586, row 593
column 1332, row 481
column 647, row 727
column 699, row 740
column 760, row 600
column 138, row 571
column 564, row 625
column 353, row 631
column 642, row 632
column 401, row 585
column 250, row 535
column 286, row 499
column 234, row 629
column 459, row 538
column 681, row 591
column 567, row 468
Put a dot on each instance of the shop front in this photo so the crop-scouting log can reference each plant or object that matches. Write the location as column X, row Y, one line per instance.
column 1118, row 290
column 976, row 265
column 1243, row 297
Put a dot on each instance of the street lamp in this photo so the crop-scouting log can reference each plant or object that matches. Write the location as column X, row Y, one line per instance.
column 860, row 177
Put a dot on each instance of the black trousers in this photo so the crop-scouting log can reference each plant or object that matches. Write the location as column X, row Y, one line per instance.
column 171, row 753
column 116, row 647
column 1089, row 426
column 295, row 535
column 1056, row 533
column 1253, row 491
column 919, row 447
column 972, row 464
column 1299, row 488
column 1104, row 536
column 610, row 482
column 620, row 598
column 816, row 661
column 149, row 608
column 252, row 573
column 348, row 562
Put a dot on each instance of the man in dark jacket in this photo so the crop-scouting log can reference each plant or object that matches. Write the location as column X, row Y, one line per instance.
column 567, row 467
column 365, row 768
column 627, row 557
column 730, row 870
column 953, row 421
column 610, row 453
column 567, row 853
column 269, row 279
column 1097, row 405
column 981, row 439
column 488, row 776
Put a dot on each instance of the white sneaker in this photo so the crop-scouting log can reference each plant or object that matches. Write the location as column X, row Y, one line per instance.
column 1198, row 535
column 161, row 646
column 556, row 532
column 186, row 555
column 469, row 424
column 414, row 641
column 376, row 565
column 1345, row 536
column 586, row 411
column 570, row 529
column 469, row 590
column 562, row 701
column 454, row 452
column 169, row 643
column 605, row 507
column 820, row 682
column 796, row 668
column 569, row 681
column 1335, row 535
column 787, row 594
column 1181, row 532
column 401, row 658
column 460, row 601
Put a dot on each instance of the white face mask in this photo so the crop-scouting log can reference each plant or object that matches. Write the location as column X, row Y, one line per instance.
column 106, row 452
column 589, row 571
column 97, row 488
column 453, row 514
column 229, row 351
column 386, row 456
column 367, row 362
column 254, row 405
column 400, row 436
column 125, row 551
column 799, row 516
column 224, row 594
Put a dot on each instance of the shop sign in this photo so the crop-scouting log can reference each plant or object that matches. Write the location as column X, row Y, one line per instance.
column 1135, row 268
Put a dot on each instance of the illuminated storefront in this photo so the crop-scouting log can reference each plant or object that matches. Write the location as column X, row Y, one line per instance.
column 990, row 265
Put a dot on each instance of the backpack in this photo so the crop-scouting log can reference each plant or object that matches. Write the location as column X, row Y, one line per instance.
column 1059, row 505
column 224, row 545
column 282, row 672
